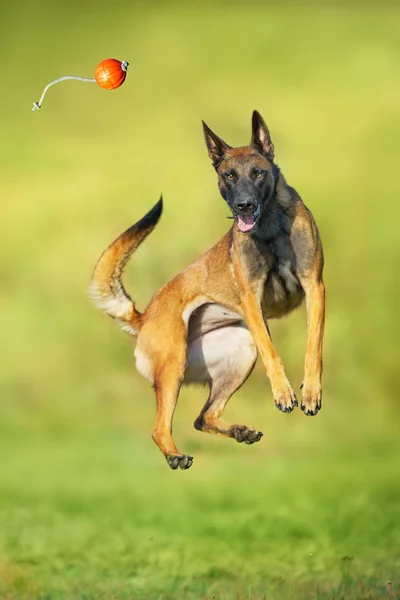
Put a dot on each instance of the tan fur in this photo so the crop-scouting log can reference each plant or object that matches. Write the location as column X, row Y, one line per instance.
column 207, row 324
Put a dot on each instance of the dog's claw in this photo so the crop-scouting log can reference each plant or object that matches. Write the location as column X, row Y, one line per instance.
column 311, row 403
column 180, row 461
column 285, row 398
column 248, row 435
column 287, row 408
column 310, row 412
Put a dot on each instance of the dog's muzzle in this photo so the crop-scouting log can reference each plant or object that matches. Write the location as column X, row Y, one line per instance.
column 246, row 222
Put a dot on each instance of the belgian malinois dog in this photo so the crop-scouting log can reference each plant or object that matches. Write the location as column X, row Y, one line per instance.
column 208, row 324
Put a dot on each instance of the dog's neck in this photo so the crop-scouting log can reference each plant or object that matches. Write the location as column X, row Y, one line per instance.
column 274, row 219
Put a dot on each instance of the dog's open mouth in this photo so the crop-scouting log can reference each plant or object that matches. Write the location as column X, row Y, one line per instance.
column 247, row 222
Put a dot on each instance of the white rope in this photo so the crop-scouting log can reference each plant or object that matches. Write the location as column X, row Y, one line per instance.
column 37, row 105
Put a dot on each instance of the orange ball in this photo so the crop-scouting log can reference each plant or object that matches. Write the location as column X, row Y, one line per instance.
column 110, row 73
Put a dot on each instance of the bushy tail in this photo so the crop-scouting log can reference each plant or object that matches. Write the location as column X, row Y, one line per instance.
column 106, row 289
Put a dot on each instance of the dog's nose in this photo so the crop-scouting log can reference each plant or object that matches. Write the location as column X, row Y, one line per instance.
column 245, row 206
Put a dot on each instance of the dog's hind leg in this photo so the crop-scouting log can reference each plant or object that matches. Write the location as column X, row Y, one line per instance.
column 166, row 371
column 224, row 357
column 167, row 388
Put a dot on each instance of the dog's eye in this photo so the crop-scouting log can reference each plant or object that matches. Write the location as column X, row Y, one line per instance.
column 229, row 176
column 260, row 174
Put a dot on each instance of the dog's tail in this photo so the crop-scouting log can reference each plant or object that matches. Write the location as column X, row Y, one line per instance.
column 106, row 289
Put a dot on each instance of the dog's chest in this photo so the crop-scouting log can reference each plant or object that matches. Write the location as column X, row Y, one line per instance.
column 282, row 289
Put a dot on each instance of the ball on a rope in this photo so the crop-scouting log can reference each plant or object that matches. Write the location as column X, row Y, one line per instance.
column 110, row 74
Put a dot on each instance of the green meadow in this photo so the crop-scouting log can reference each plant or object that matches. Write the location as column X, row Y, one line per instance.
column 88, row 506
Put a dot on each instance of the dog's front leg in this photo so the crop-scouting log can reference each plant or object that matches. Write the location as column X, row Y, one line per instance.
column 315, row 306
column 282, row 391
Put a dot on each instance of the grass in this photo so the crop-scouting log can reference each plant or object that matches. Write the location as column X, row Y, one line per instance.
column 88, row 506
column 92, row 516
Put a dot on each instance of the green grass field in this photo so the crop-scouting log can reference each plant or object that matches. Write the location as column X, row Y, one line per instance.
column 88, row 507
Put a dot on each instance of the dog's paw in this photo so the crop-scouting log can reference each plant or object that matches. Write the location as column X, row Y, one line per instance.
column 285, row 400
column 180, row 461
column 245, row 434
column 311, row 402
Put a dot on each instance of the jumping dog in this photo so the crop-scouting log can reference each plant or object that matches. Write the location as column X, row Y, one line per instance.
column 209, row 323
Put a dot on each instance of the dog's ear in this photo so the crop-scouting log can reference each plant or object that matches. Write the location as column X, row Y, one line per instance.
column 216, row 146
column 260, row 139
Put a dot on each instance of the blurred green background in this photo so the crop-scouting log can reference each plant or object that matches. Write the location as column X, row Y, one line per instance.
column 88, row 506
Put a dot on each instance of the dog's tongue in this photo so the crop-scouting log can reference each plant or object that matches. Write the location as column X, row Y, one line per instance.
column 245, row 222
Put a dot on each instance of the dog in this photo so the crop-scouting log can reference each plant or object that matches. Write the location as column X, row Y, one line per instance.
column 209, row 323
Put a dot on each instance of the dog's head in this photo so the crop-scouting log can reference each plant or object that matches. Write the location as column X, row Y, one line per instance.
column 245, row 175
